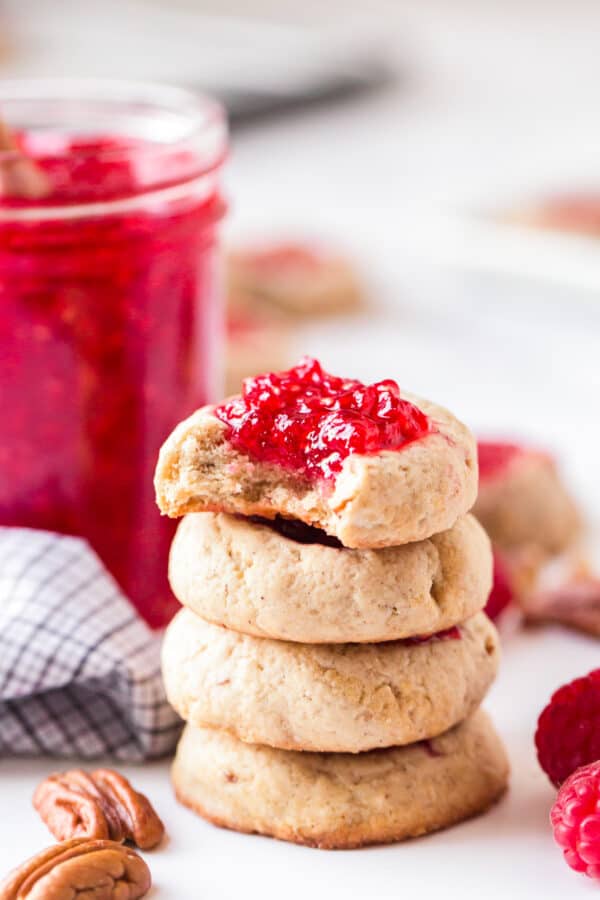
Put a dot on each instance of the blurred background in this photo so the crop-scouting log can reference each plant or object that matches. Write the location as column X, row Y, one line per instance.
column 395, row 192
column 410, row 137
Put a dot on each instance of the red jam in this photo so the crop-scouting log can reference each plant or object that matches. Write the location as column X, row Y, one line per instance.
column 501, row 594
column 240, row 326
column 576, row 212
column 308, row 421
column 106, row 342
column 299, row 532
column 281, row 258
column 495, row 456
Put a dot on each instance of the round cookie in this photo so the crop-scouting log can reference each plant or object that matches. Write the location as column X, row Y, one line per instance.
column 522, row 501
column 291, row 279
column 340, row 800
column 377, row 500
column 331, row 697
column 255, row 579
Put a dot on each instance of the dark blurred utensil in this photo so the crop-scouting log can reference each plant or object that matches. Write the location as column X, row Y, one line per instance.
column 253, row 64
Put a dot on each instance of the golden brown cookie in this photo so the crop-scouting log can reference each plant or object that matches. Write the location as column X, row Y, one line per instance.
column 274, row 580
column 377, row 500
column 339, row 800
column 330, row 697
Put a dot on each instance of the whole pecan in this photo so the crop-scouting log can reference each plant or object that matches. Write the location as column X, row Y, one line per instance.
column 101, row 804
column 94, row 870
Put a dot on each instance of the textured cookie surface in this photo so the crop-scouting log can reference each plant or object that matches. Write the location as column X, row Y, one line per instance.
column 331, row 697
column 379, row 500
column 251, row 578
column 336, row 800
column 525, row 503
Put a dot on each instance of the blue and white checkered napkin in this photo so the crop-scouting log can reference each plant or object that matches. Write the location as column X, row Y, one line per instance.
column 79, row 670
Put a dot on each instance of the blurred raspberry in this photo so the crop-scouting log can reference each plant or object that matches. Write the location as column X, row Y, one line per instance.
column 568, row 731
column 501, row 594
column 575, row 820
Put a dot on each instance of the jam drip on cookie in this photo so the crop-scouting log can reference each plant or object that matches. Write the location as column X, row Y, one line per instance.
column 308, row 421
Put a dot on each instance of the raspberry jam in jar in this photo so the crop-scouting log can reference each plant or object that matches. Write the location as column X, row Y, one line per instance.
column 309, row 421
column 110, row 312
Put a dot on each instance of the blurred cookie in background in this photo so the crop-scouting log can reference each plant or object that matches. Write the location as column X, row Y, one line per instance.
column 576, row 213
column 7, row 47
column 522, row 500
column 534, row 525
column 286, row 280
column 252, row 347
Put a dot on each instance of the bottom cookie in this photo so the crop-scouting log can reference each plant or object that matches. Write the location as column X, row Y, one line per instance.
column 340, row 800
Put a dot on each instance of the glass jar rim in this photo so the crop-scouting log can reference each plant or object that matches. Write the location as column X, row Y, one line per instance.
column 154, row 121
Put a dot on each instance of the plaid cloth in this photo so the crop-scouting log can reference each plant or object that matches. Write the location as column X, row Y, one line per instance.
column 79, row 670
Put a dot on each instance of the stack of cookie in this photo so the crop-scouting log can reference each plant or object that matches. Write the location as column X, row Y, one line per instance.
column 332, row 585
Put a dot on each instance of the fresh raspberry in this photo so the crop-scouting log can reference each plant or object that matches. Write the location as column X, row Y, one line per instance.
column 568, row 731
column 501, row 594
column 575, row 820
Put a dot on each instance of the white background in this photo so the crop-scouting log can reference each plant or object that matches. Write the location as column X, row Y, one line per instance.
column 498, row 100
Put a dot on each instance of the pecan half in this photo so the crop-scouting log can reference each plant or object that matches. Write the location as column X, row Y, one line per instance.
column 101, row 804
column 575, row 604
column 566, row 592
column 94, row 870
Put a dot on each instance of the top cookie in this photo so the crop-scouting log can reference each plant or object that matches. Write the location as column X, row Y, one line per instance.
column 363, row 463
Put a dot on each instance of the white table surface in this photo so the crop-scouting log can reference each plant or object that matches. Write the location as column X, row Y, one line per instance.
column 506, row 853
column 508, row 357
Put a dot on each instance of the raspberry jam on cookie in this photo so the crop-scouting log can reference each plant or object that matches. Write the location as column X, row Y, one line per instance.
column 309, row 421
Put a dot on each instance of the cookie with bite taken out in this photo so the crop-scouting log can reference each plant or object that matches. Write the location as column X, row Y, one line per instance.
column 367, row 464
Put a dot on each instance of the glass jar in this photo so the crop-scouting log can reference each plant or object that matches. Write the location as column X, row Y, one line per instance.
column 110, row 321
